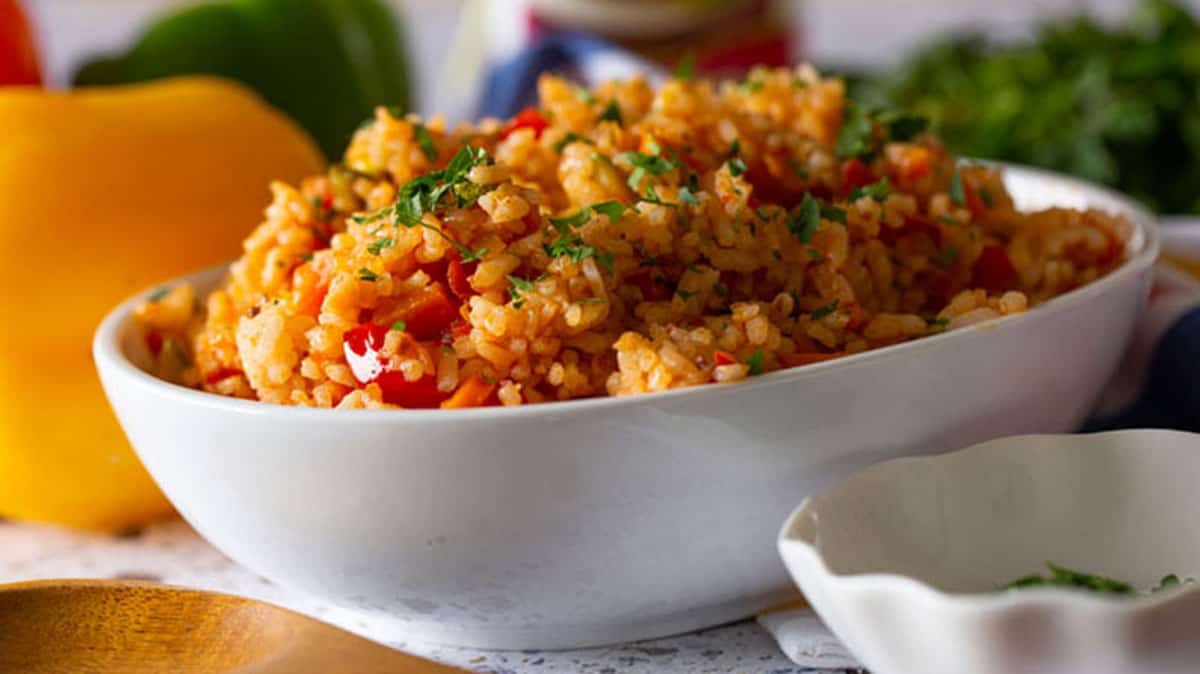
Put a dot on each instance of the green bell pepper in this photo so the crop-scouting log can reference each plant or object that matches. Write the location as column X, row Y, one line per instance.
column 327, row 63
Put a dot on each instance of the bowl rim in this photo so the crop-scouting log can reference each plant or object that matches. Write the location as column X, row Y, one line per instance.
column 106, row 349
column 790, row 538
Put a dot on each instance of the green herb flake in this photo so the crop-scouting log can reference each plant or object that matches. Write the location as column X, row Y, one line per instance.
column 611, row 112
column 877, row 191
column 720, row 290
column 590, row 301
column 172, row 347
column 957, row 194
column 685, row 295
column 377, row 246
column 947, row 220
column 815, row 255
column 365, row 274
column 735, row 148
column 613, row 210
column 686, row 69
column 834, row 214
column 938, row 322
column 903, row 127
column 755, row 362
column 307, row 257
column 653, row 164
column 425, row 140
column 946, row 258
column 585, row 95
column 736, row 167
column 854, row 137
column 159, row 294
column 804, row 222
column 824, row 311
column 687, row 196
column 399, row 326
column 1063, row 577
column 571, row 137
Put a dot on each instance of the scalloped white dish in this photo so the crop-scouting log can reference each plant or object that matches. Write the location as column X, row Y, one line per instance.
column 904, row 560
column 611, row 519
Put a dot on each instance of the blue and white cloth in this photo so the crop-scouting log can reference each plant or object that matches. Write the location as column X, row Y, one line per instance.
column 1158, row 384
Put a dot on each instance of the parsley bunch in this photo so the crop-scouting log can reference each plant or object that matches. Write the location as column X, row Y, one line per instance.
column 1119, row 105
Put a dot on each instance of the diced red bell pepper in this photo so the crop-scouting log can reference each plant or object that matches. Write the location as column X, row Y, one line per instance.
column 529, row 118
column 994, row 270
column 974, row 203
column 154, row 342
column 18, row 55
column 361, row 347
column 420, row 394
column 723, row 358
column 457, row 274
column 428, row 312
column 855, row 174
column 221, row 375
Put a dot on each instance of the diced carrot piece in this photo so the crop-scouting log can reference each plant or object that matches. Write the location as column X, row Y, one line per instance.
column 309, row 289
column 473, row 392
column 427, row 313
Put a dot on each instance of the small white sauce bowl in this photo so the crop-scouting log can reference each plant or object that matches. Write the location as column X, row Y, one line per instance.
column 904, row 560
column 612, row 519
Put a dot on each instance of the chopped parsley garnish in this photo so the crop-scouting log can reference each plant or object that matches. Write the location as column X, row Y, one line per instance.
column 720, row 290
column 947, row 220
column 519, row 285
column 755, row 362
column 763, row 213
column 651, row 197
column 425, row 140
column 834, row 214
column 378, row 245
column 585, row 95
column 307, row 257
column 613, row 209
column 752, row 84
column 946, row 259
column 1062, row 577
column 985, row 195
column 877, row 191
column 938, row 322
column 687, row 196
column 804, row 222
column 736, row 167
column 611, row 113
column 160, row 293
column 686, row 69
column 367, row 275
column 903, row 127
column 685, row 295
column 854, row 138
column 650, row 163
column 571, row 137
column 824, row 311
column 815, row 255
column 735, row 148
column 399, row 326
column 425, row 194
column 169, row 345
column 957, row 194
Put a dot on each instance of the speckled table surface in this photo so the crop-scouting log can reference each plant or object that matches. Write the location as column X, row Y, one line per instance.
column 173, row 553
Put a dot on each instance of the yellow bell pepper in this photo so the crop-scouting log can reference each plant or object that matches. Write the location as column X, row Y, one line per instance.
column 104, row 191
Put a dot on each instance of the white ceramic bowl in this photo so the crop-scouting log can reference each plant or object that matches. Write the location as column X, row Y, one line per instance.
column 902, row 561
column 595, row 521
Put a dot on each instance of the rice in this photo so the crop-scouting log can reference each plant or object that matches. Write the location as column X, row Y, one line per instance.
column 613, row 242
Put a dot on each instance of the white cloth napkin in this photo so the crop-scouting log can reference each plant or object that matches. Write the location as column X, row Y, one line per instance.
column 805, row 639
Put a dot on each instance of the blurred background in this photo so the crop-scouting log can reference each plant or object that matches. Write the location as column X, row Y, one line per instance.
column 156, row 159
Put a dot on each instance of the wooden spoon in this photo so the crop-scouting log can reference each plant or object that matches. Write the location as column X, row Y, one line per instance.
column 129, row 627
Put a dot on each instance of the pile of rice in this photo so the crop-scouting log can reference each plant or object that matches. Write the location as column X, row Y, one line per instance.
column 617, row 241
